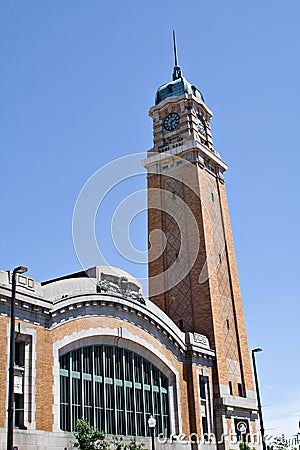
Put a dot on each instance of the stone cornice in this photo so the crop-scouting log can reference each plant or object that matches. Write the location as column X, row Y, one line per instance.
column 237, row 402
column 179, row 150
column 177, row 99
column 118, row 306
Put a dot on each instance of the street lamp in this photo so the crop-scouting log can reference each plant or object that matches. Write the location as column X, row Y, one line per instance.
column 262, row 430
column 10, row 409
column 151, row 425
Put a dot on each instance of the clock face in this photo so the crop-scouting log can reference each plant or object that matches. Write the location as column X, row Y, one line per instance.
column 171, row 122
column 201, row 126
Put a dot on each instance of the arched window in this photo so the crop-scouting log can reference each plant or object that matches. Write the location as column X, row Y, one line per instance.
column 115, row 389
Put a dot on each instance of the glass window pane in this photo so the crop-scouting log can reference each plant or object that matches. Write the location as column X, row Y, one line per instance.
column 128, row 366
column 110, row 408
column 147, row 372
column 137, row 369
column 76, row 401
column 19, row 410
column 76, row 360
column 148, row 402
column 119, row 363
column 109, row 362
column 164, row 382
column 88, row 401
column 131, row 430
column 65, row 362
column 87, row 360
column 65, row 403
column 155, row 376
column 109, row 403
column 98, row 355
column 99, row 406
column 120, row 410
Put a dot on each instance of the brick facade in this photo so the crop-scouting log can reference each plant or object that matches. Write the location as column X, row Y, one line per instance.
column 58, row 322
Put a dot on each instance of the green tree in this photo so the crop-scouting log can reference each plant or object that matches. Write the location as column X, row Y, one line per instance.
column 244, row 446
column 281, row 443
column 117, row 442
column 89, row 438
column 134, row 445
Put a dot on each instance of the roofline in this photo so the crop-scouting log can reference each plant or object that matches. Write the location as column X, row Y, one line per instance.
column 81, row 274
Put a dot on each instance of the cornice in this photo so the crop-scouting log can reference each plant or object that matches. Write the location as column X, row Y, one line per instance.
column 180, row 150
column 178, row 99
column 140, row 312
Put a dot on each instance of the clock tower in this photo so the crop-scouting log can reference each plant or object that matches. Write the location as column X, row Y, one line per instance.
column 192, row 267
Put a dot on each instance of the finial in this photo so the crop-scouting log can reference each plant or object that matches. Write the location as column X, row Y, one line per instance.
column 175, row 49
column 176, row 70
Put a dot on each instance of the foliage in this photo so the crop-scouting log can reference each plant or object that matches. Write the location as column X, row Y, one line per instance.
column 133, row 445
column 281, row 443
column 244, row 446
column 117, row 442
column 89, row 438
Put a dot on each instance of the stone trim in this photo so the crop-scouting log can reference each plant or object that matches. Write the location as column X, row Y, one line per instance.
column 179, row 150
column 120, row 307
column 91, row 303
column 29, row 373
column 206, row 373
column 233, row 401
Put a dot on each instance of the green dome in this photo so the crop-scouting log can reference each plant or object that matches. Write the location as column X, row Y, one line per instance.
column 176, row 87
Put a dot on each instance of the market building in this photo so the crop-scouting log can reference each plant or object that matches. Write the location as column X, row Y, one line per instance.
column 90, row 345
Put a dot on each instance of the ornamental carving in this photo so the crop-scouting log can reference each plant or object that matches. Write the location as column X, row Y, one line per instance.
column 200, row 339
column 120, row 285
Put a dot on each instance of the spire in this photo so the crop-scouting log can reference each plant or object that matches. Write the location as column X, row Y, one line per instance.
column 175, row 49
column 177, row 69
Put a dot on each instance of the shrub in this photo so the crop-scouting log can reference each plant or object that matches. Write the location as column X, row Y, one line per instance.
column 88, row 437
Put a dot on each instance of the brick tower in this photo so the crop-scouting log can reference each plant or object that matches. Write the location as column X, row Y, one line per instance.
column 192, row 267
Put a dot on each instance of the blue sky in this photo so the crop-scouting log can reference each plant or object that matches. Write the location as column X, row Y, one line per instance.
column 77, row 81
